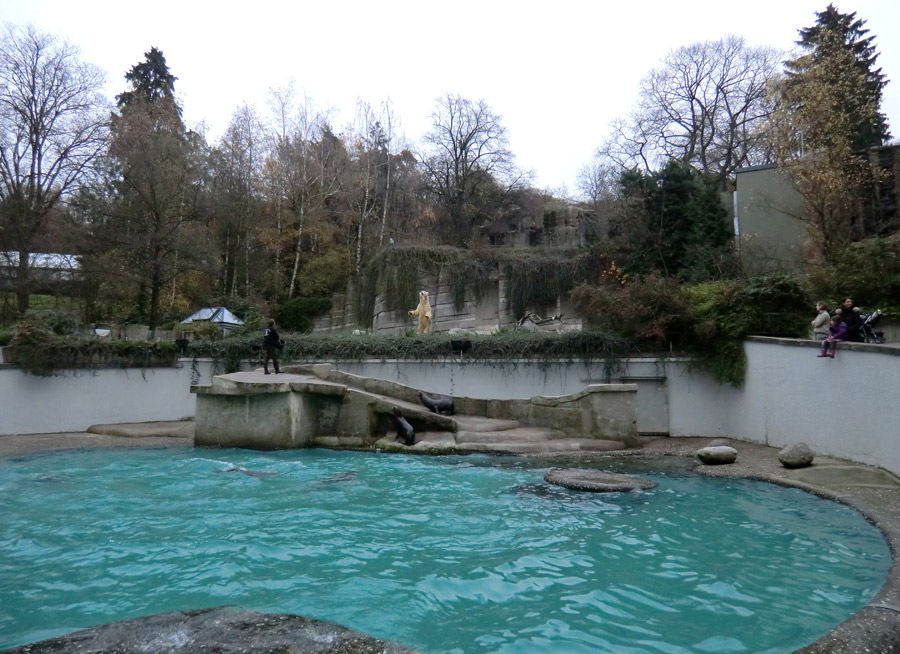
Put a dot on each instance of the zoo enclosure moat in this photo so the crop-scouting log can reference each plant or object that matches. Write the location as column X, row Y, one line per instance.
column 445, row 554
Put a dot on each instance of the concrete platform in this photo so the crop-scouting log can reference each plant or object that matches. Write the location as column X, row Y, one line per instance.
column 307, row 406
column 179, row 429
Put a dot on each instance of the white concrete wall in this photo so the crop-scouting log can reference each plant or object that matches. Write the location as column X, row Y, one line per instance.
column 79, row 399
column 846, row 407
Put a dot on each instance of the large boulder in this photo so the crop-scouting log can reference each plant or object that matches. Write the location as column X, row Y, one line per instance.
column 796, row 455
column 221, row 630
column 717, row 455
column 595, row 481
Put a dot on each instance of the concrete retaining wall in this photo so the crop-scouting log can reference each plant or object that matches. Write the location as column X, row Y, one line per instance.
column 846, row 407
column 79, row 399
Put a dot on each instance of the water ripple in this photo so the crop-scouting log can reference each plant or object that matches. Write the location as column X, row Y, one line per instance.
column 447, row 555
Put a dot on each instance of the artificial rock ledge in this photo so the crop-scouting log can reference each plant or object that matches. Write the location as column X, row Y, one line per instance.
column 310, row 403
column 221, row 630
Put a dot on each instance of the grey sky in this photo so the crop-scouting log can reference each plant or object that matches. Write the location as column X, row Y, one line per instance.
column 557, row 72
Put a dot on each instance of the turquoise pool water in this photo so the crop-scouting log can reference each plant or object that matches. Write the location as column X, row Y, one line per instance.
column 456, row 555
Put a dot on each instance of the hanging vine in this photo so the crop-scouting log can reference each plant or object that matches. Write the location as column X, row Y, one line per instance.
column 536, row 277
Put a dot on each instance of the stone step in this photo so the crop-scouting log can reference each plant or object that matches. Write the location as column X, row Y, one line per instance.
column 479, row 424
column 546, row 447
column 429, row 440
column 339, row 442
column 516, row 435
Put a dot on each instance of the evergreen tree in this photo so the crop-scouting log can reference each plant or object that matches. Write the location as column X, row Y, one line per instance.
column 828, row 116
column 151, row 81
column 672, row 221
column 838, row 53
column 154, row 237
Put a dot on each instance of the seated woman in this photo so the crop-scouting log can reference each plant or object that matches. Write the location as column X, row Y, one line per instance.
column 851, row 318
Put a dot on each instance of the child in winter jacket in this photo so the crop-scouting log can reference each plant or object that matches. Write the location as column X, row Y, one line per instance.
column 838, row 332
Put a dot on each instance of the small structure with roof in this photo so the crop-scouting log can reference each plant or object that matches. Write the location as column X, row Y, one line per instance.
column 219, row 316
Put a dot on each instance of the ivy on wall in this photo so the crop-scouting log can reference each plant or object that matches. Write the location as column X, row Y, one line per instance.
column 232, row 352
column 536, row 277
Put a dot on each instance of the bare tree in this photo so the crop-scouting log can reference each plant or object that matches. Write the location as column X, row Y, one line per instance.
column 706, row 105
column 366, row 140
column 597, row 182
column 467, row 151
column 52, row 127
column 237, row 182
column 371, row 175
column 387, row 129
column 304, row 169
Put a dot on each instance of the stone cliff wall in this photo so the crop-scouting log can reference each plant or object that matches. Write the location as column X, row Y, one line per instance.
column 490, row 313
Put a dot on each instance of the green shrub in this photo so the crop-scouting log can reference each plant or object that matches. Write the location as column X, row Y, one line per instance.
column 724, row 313
column 165, row 347
column 648, row 312
column 58, row 322
column 6, row 335
column 707, row 321
column 39, row 351
column 298, row 313
column 354, row 347
column 868, row 271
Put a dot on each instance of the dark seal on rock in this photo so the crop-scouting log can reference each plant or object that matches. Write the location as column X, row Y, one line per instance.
column 596, row 481
column 443, row 405
column 405, row 431
column 221, row 630
column 717, row 455
column 796, row 455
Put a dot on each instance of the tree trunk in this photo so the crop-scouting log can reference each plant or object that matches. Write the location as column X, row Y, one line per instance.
column 297, row 250
column 23, row 283
column 155, row 290
column 362, row 220
column 386, row 201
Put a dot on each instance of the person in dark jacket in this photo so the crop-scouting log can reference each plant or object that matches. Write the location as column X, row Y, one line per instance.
column 271, row 343
column 851, row 318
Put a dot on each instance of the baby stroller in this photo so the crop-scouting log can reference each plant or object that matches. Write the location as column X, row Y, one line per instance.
column 867, row 330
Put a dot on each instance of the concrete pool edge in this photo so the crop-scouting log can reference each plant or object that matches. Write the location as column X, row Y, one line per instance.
column 874, row 630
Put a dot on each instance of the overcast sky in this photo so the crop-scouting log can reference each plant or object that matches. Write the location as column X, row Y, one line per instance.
column 558, row 72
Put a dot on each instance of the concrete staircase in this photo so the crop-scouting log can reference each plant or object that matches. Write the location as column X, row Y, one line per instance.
column 319, row 406
column 466, row 434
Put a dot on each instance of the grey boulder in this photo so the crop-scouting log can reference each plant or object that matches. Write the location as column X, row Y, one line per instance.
column 596, row 481
column 796, row 455
column 717, row 455
column 221, row 630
